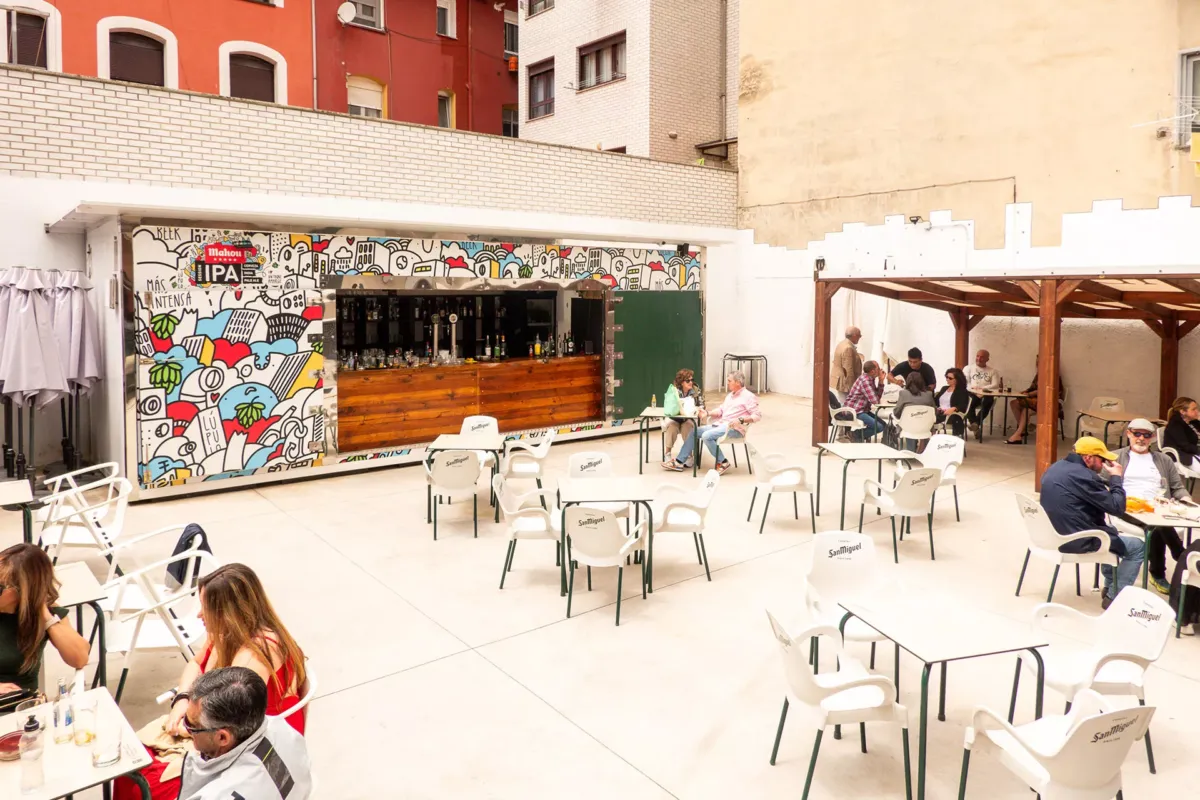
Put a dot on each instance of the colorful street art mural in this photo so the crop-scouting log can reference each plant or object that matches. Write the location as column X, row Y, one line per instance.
column 228, row 333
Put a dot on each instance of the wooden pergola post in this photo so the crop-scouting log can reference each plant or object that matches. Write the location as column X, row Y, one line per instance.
column 823, row 291
column 1168, row 366
column 964, row 323
column 1049, row 339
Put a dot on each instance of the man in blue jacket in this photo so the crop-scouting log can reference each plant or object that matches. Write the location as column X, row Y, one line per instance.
column 1076, row 499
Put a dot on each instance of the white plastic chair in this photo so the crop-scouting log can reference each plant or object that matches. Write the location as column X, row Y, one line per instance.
column 103, row 473
column 1044, row 542
column 596, row 539
column 945, row 453
column 452, row 473
column 1189, row 580
column 916, row 422
column 1121, row 644
column 594, row 464
column 524, row 460
column 526, row 519
column 945, row 427
column 307, row 691
column 686, row 514
column 71, row 519
column 121, row 558
column 1189, row 474
column 777, row 474
column 845, row 419
column 839, row 698
column 1077, row 756
column 481, row 424
column 732, row 439
column 170, row 623
column 843, row 566
column 911, row 497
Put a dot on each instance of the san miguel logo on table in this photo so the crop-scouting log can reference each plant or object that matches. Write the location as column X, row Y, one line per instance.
column 227, row 264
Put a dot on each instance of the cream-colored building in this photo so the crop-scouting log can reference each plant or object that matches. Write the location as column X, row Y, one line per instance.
column 852, row 111
column 653, row 78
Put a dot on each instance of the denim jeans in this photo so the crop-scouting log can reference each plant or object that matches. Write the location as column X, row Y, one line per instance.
column 874, row 426
column 1127, row 568
column 708, row 437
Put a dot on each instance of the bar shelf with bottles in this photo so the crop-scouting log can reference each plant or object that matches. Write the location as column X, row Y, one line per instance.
column 413, row 366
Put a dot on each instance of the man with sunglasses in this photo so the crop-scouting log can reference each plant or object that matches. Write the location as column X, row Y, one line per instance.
column 240, row 752
column 1148, row 473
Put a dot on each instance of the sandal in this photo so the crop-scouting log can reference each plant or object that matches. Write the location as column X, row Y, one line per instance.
column 672, row 465
column 722, row 468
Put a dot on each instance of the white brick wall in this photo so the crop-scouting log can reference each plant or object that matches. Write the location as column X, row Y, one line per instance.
column 673, row 83
column 612, row 115
column 59, row 126
column 732, row 60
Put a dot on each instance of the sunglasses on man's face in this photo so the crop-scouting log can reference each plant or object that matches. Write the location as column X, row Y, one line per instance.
column 1141, row 434
column 192, row 730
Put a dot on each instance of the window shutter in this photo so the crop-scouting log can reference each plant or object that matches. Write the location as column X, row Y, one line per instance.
column 136, row 58
column 364, row 94
column 30, row 40
column 251, row 77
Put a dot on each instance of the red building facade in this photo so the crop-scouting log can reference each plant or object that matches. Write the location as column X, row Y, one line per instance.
column 425, row 61
column 433, row 62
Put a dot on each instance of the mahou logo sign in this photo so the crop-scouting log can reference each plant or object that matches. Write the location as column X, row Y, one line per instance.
column 224, row 264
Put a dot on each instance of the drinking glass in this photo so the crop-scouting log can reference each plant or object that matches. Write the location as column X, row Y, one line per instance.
column 85, row 720
column 106, row 747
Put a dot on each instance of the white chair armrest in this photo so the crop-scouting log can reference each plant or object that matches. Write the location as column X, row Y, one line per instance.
column 669, row 507
column 871, row 482
column 1109, row 658
column 126, row 542
column 1043, row 612
column 664, row 488
column 524, row 497
column 840, row 413
column 159, row 606
column 1079, row 536
column 534, row 512
column 192, row 552
column 951, row 471
column 878, row 681
column 908, row 455
column 517, row 444
column 984, row 719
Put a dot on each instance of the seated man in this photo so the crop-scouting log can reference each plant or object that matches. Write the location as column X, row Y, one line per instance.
column 981, row 378
column 739, row 410
column 1076, row 499
column 240, row 752
column 1148, row 472
column 901, row 371
column 864, row 396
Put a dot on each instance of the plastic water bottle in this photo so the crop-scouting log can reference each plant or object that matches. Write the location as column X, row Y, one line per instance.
column 63, row 715
column 31, row 748
column 654, row 401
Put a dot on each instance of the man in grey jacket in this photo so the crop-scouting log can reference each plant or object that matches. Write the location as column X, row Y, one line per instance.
column 1148, row 471
column 240, row 753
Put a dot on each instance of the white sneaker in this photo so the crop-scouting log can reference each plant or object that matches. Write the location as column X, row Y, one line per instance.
column 688, row 463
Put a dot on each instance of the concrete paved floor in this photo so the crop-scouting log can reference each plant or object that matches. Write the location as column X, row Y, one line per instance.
column 434, row 683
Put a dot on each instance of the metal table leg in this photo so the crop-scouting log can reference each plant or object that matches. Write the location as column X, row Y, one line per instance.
column 696, row 446
column 820, row 454
column 1041, row 682
column 27, row 523
column 1078, row 417
column 562, row 543
column 845, row 469
column 649, row 546
column 922, row 734
column 879, row 479
column 942, row 695
column 641, row 429
column 102, row 663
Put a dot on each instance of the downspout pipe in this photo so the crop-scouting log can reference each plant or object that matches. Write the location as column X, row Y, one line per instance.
column 313, row 11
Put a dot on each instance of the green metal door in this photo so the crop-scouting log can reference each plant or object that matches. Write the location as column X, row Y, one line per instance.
column 656, row 334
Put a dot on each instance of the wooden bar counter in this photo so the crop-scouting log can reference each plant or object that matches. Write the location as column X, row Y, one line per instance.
column 392, row 407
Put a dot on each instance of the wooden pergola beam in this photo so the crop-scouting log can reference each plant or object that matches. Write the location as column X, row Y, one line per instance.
column 1108, row 292
column 962, row 335
column 1189, row 285
column 823, row 292
column 1168, row 366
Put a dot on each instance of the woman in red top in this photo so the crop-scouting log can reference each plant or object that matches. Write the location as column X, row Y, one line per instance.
column 243, row 630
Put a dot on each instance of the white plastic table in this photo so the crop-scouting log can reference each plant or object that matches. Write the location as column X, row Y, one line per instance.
column 587, row 491
column 848, row 452
column 487, row 442
column 1004, row 395
column 654, row 412
column 68, row 767
column 940, row 633
column 79, row 588
column 19, row 494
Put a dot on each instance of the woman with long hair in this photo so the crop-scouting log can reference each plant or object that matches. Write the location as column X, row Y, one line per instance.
column 953, row 397
column 1181, row 431
column 29, row 618
column 243, row 630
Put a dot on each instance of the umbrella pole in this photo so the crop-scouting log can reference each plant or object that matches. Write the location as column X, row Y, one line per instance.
column 9, row 453
column 31, row 470
column 19, row 464
column 65, row 442
column 76, row 451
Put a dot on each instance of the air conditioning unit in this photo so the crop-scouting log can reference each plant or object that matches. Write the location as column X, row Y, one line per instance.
column 512, row 63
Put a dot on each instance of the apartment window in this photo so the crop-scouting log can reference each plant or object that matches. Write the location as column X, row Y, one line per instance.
column 602, row 62
column 251, row 78
column 445, row 109
column 1189, row 100
column 538, row 6
column 541, row 89
column 511, row 29
column 25, row 35
column 368, row 13
column 136, row 58
column 364, row 97
column 445, row 18
column 509, row 125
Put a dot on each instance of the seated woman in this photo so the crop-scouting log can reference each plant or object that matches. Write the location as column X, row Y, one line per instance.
column 29, row 618
column 1181, row 432
column 953, row 398
column 914, row 393
column 684, row 386
column 1023, row 407
column 243, row 630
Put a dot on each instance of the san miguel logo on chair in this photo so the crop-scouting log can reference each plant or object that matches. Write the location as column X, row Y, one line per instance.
column 226, row 264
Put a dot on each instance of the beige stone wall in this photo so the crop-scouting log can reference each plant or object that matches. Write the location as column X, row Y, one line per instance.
column 70, row 127
column 685, row 77
column 852, row 111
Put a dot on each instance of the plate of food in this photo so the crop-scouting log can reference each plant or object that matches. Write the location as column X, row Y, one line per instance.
column 10, row 744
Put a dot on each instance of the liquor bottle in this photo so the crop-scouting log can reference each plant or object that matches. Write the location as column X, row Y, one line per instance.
column 537, row 345
column 531, row 349
column 62, row 714
column 487, row 347
column 570, row 345
column 503, row 347
column 654, row 401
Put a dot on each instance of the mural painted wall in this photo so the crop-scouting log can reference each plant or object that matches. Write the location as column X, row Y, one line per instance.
column 229, row 336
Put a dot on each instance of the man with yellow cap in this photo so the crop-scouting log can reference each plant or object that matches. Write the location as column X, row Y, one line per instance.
column 1077, row 498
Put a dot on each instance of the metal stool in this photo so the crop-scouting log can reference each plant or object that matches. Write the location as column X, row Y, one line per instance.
column 758, row 369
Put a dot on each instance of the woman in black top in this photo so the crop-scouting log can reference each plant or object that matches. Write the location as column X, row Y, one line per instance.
column 952, row 398
column 1181, row 432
